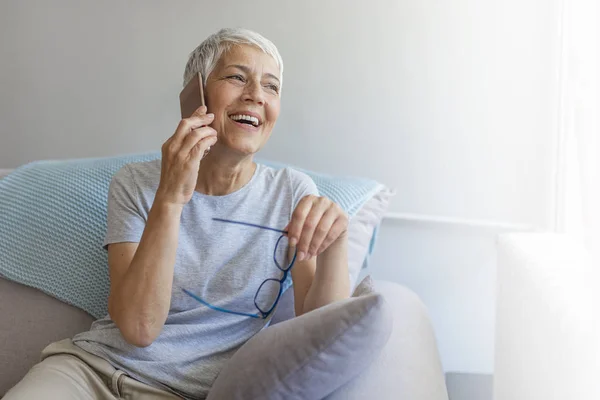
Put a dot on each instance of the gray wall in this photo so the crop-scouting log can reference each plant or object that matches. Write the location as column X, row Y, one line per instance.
column 450, row 103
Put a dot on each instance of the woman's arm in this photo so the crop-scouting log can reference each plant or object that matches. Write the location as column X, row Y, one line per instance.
column 318, row 228
column 141, row 277
column 332, row 281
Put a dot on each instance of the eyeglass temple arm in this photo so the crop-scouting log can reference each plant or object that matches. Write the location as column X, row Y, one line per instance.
column 192, row 295
column 250, row 224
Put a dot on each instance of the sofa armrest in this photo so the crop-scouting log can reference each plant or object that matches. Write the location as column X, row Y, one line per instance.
column 409, row 367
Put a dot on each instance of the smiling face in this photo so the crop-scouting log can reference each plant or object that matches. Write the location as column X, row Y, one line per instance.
column 243, row 91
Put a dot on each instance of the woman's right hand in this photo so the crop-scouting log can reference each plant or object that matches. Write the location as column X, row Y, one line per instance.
column 181, row 155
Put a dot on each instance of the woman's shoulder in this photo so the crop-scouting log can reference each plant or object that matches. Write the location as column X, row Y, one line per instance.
column 143, row 175
column 298, row 183
column 144, row 171
column 286, row 174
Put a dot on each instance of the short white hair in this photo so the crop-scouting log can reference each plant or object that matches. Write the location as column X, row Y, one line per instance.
column 206, row 56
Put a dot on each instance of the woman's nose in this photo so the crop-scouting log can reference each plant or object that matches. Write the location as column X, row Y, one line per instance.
column 254, row 93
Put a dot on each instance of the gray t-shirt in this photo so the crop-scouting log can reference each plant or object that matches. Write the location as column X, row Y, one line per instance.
column 222, row 263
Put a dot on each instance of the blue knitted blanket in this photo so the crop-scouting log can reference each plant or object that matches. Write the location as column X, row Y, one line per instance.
column 53, row 222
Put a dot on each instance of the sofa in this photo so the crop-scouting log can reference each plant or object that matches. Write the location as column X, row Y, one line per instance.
column 408, row 367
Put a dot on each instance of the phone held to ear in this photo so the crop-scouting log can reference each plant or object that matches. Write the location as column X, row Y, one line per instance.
column 192, row 96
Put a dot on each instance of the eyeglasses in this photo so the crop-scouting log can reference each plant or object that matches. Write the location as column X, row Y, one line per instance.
column 263, row 300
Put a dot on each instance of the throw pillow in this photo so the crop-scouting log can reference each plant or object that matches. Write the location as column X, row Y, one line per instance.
column 361, row 231
column 310, row 356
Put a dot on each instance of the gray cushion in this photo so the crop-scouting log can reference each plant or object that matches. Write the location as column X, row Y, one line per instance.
column 409, row 366
column 30, row 320
column 310, row 356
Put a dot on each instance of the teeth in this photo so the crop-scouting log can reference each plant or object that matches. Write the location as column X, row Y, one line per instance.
column 239, row 117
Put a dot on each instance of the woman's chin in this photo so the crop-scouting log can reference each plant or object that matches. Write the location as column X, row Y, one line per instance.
column 248, row 151
column 243, row 149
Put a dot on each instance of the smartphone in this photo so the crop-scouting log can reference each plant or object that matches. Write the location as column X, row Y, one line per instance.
column 192, row 96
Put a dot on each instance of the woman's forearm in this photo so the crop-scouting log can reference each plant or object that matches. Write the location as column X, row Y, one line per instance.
column 145, row 290
column 331, row 282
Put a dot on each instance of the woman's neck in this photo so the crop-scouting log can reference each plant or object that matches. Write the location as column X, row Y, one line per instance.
column 220, row 175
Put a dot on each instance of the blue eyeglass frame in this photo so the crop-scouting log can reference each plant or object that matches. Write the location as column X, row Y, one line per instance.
column 261, row 313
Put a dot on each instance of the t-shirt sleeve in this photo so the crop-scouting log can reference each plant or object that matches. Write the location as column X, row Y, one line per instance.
column 125, row 222
column 302, row 185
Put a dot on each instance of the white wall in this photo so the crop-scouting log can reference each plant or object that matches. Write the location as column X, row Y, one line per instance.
column 451, row 103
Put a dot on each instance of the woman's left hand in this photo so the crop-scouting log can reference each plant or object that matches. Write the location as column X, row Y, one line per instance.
column 316, row 223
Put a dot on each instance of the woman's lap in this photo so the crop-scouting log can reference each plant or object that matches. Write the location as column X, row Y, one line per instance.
column 61, row 377
column 68, row 372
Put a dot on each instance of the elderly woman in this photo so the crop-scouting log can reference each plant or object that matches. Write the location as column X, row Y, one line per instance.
column 200, row 243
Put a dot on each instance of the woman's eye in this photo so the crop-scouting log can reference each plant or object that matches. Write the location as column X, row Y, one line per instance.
column 274, row 88
column 237, row 77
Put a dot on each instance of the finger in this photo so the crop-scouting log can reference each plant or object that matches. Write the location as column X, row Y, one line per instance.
column 310, row 224
column 295, row 225
column 188, row 124
column 194, row 137
column 322, row 231
column 339, row 226
column 197, row 121
column 197, row 152
column 200, row 111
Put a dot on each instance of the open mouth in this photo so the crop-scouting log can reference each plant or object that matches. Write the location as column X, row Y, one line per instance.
column 246, row 119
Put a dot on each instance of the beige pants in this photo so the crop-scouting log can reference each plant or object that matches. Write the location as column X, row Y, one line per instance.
column 67, row 372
